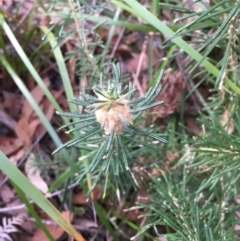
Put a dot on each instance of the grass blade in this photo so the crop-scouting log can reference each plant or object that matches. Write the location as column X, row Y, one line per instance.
column 27, row 187
column 61, row 65
column 29, row 65
column 158, row 24
column 35, row 106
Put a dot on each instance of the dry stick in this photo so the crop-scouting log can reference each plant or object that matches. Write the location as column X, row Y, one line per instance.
column 118, row 40
column 48, row 195
column 233, row 63
column 90, row 59
column 117, row 43
column 181, row 63
column 139, row 66
column 90, row 228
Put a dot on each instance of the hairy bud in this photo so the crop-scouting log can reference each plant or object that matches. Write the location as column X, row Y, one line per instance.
column 110, row 115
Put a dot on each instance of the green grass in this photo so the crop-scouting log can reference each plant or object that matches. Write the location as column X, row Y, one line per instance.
column 194, row 198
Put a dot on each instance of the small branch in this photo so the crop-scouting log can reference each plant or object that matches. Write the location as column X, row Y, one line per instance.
column 79, row 30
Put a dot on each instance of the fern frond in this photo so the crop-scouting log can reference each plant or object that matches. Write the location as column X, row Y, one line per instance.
column 9, row 225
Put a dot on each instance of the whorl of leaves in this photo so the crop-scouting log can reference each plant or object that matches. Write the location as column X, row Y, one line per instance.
column 113, row 132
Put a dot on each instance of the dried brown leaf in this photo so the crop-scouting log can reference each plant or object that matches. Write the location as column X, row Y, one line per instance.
column 16, row 157
column 80, row 198
column 192, row 125
column 34, row 174
column 9, row 145
column 55, row 230
column 226, row 121
column 173, row 86
column 27, row 125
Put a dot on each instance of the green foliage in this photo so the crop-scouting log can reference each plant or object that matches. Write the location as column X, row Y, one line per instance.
column 188, row 211
column 107, row 127
column 223, row 17
column 196, row 198
column 71, row 23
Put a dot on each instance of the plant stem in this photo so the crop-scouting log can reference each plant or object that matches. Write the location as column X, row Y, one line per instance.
column 82, row 37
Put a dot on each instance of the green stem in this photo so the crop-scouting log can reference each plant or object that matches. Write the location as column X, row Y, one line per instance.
column 158, row 24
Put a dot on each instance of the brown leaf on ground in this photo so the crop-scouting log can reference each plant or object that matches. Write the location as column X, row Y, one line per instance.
column 27, row 125
column 6, row 193
column 11, row 200
column 226, row 122
column 71, row 64
column 62, row 101
column 23, row 131
column 12, row 104
column 16, row 157
column 55, row 230
column 37, row 94
column 143, row 197
column 9, row 145
column 172, row 156
column 120, row 43
column 126, row 211
column 80, row 198
column 34, row 174
column 139, row 63
column 48, row 108
column 192, row 125
column 6, row 119
column 173, row 86
column 131, row 214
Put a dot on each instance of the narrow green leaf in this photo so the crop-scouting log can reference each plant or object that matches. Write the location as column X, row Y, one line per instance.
column 145, row 133
column 122, row 152
column 78, row 102
column 110, row 139
column 28, row 64
column 146, row 107
column 33, row 213
column 35, row 106
column 75, row 114
column 131, row 102
column 61, row 65
column 82, row 126
column 125, row 124
column 70, row 124
column 98, row 156
column 175, row 8
column 225, row 61
column 105, row 220
column 158, row 24
column 205, row 13
column 78, row 139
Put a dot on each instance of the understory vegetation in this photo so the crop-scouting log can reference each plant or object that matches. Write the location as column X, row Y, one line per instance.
column 120, row 120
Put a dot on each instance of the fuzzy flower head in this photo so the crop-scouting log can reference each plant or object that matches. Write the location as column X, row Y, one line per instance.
column 110, row 115
column 108, row 120
column 113, row 109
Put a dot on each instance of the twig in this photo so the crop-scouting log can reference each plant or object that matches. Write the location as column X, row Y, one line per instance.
column 81, row 36
column 48, row 195
column 139, row 66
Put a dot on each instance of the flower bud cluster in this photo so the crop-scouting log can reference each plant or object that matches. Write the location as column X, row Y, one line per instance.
column 112, row 117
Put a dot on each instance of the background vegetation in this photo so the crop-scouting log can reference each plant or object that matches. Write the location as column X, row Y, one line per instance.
column 184, row 188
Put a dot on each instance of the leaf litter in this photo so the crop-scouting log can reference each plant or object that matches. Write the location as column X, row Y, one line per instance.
column 18, row 116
